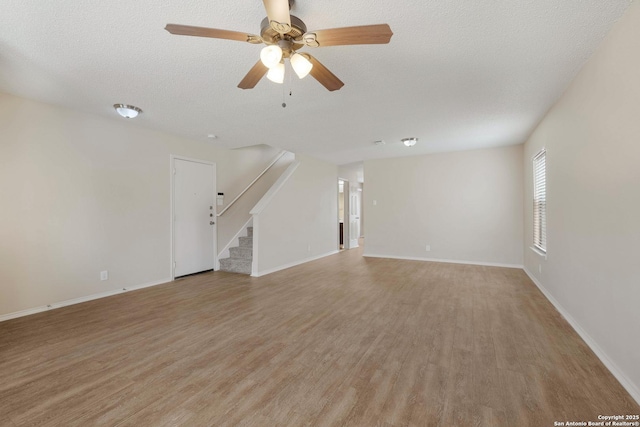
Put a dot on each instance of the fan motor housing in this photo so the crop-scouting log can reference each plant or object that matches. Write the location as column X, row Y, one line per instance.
column 271, row 36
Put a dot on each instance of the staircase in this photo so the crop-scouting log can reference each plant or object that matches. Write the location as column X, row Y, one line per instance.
column 241, row 256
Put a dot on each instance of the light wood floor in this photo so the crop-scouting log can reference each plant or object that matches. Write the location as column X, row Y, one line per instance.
column 341, row 341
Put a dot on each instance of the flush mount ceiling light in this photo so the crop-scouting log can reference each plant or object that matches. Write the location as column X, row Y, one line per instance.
column 409, row 142
column 127, row 111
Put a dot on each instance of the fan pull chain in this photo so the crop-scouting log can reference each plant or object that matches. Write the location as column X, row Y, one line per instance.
column 290, row 82
column 284, row 104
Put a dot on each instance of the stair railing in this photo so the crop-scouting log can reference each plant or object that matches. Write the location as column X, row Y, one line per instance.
column 282, row 153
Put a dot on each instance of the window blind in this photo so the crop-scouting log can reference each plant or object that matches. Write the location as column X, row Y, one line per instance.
column 540, row 201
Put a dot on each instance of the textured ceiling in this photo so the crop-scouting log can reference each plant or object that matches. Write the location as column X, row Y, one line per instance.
column 458, row 74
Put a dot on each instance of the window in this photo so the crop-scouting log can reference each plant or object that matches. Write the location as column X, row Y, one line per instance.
column 540, row 201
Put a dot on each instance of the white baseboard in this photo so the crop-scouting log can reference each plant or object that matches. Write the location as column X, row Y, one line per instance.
column 293, row 264
column 633, row 390
column 60, row 304
column 449, row 261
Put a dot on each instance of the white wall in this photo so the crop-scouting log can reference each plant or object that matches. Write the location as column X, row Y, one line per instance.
column 592, row 137
column 466, row 205
column 354, row 172
column 81, row 194
column 300, row 222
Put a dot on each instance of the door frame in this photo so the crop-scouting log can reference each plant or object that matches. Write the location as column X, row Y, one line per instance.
column 345, row 221
column 172, row 249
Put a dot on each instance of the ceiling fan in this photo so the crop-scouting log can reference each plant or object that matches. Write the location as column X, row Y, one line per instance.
column 284, row 34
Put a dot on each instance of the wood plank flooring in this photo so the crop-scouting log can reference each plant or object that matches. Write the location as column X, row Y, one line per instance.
column 344, row 340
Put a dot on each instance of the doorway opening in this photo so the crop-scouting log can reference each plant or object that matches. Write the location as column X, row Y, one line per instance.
column 344, row 214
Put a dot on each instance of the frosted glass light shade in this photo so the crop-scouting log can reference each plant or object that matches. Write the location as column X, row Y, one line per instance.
column 127, row 111
column 276, row 73
column 409, row 142
column 271, row 55
column 301, row 65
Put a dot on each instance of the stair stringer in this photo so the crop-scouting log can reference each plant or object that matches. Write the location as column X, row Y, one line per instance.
column 240, row 259
column 235, row 241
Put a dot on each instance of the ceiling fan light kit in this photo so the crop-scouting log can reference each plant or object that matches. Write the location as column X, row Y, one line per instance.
column 127, row 111
column 284, row 34
column 272, row 58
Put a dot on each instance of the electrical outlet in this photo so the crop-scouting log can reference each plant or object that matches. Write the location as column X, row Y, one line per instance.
column 375, row 203
column 104, row 275
column 309, row 248
column 428, row 248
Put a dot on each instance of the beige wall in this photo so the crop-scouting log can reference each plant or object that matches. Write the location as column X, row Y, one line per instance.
column 300, row 221
column 592, row 137
column 81, row 194
column 466, row 205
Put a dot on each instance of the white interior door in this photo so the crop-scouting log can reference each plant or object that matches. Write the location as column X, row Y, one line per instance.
column 354, row 220
column 194, row 215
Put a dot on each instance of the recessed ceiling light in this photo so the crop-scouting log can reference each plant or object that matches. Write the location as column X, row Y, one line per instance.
column 409, row 142
column 127, row 111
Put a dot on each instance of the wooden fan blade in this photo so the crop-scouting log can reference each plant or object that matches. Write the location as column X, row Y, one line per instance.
column 278, row 14
column 253, row 76
column 323, row 75
column 187, row 30
column 365, row 34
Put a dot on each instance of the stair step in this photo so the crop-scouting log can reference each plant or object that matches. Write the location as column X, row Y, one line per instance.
column 241, row 252
column 235, row 265
column 246, row 242
column 241, row 257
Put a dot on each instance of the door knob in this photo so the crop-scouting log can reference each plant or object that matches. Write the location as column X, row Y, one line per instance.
column 211, row 222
